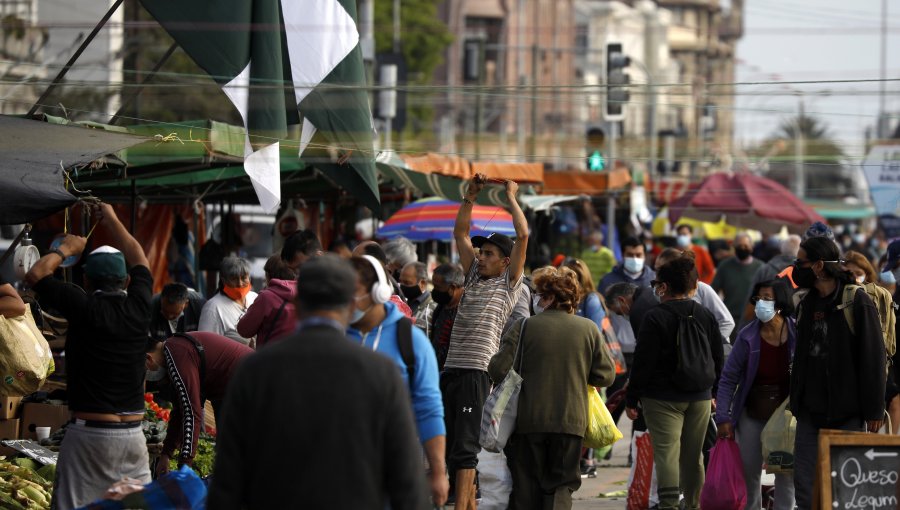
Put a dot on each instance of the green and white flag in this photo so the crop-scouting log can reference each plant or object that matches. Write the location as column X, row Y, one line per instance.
column 277, row 60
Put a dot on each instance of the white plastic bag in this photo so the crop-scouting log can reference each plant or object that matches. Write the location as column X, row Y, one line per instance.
column 778, row 440
column 495, row 480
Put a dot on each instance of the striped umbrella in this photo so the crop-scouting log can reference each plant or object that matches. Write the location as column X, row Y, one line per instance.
column 432, row 219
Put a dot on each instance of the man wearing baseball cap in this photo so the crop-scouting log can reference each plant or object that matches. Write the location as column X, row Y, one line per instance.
column 493, row 280
column 105, row 351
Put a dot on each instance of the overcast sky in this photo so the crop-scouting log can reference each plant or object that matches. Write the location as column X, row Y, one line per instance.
column 816, row 40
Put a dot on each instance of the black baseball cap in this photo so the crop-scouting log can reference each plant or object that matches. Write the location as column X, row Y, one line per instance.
column 501, row 241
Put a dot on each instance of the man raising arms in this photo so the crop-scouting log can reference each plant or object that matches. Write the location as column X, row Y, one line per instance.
column 493, row 279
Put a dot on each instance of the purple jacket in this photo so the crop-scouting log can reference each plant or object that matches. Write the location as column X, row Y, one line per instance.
column 740, row 371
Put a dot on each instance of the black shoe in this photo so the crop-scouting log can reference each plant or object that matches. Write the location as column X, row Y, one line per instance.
column 589, row 472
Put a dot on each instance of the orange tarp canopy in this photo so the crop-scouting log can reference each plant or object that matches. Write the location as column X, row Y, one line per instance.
column 579, row 182
column 455, row 166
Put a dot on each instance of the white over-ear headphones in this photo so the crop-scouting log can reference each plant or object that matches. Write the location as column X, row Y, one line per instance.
column 381, row 290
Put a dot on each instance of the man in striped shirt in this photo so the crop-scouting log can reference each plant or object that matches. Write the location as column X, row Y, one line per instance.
column 493, row 280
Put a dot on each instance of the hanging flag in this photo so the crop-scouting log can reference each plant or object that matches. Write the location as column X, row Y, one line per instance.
column 277, row 60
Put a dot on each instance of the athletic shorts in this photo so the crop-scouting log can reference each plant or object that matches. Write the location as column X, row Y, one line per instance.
column 464, row 392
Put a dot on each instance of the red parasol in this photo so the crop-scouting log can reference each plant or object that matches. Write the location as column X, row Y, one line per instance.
column 747, row 201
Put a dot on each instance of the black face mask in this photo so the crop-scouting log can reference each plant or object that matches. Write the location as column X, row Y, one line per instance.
column 411, row 292
column 441, row 297
column 742, row 253
column 804, row 277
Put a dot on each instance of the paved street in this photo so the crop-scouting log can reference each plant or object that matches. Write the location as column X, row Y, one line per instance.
column 612, row 476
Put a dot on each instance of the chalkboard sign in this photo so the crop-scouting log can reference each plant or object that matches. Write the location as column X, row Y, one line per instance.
column 32, row 449
column 858, row 471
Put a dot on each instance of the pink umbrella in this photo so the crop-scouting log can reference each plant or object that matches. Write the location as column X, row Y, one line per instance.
column 747, row 201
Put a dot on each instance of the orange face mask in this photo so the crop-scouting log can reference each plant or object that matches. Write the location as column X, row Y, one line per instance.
column 236, row 293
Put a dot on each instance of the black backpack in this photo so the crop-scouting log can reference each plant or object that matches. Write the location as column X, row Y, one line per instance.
column 695, row 369
column 405, row 345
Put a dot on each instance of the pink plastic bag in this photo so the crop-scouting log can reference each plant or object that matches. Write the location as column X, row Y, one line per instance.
column 724, row 488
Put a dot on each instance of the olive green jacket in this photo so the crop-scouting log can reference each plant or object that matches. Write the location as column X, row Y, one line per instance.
column 561, row 355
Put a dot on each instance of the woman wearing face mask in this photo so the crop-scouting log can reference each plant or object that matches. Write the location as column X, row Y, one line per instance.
column 838, row 373
column 755, row 381
column 552, row 409
column 223, row 311
column 859, row 265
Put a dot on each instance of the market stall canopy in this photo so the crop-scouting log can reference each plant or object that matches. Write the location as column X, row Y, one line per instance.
column 204, row 158
column 35, row 154
column 747, row 201
column 588, row 183
column 432, row 219
column 446, row 177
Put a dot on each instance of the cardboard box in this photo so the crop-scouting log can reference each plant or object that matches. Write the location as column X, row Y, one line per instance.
column 9, row 429
column 9, row 407
column 41, row 415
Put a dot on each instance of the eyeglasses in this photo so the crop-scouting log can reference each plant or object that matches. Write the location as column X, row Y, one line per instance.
column 756, row 299
column 802, row 263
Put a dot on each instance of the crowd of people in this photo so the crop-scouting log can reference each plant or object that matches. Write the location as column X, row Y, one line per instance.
column 364, row 358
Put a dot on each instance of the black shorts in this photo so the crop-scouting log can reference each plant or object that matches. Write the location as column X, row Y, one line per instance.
column 464, row 392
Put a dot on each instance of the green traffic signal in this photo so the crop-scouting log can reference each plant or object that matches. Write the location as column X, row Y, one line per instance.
column 596, row 162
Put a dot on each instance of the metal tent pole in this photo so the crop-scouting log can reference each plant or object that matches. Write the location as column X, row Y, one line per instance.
column 71, row 62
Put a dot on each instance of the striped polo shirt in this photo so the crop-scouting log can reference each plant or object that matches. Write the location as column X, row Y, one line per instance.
column 483, row 311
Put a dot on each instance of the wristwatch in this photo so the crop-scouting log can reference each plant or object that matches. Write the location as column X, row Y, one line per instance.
column 58, row 252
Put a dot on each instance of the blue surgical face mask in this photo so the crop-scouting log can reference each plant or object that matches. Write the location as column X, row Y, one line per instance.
column 357, row 315
column 765, row 310
column 634, row 264
column 887, row 277
column 684, row 240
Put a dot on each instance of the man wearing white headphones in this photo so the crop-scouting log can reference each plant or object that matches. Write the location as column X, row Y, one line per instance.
column 378, row 324
column 493, row 283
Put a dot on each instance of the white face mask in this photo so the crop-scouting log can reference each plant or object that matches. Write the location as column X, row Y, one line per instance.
column 684, row 240
column 536, row 304
column 765, row 310
column 634, row 264
column 156, row 375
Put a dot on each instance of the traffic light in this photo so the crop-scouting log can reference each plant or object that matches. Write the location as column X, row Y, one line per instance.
column 595, row 139
column 616, row 82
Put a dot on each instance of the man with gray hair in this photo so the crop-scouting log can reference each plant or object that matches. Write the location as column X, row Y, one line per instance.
column 399, row 251
column 298, row 383
column 414, row 286
column 223, row 311
column 734, row 276
column 448, row 287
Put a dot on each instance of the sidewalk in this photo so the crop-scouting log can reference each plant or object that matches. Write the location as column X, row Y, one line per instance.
column 612, row 476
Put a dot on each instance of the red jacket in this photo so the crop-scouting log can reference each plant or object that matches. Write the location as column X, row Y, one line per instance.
column 261, row 321
column 182, row 360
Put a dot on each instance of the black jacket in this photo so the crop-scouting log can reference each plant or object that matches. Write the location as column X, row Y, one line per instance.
column 159, row 326
column 843, row 377
column 655, row 355
column 315, row 421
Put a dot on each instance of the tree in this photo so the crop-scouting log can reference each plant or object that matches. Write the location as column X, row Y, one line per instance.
column 423, row 39
column 817, row 142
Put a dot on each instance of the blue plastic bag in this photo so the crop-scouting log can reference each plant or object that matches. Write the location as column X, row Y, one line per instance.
column 724, row 488
column 181, row 489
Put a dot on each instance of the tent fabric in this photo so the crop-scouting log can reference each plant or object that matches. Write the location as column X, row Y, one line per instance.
column 455, row 166
column 589, row 183
column 747, row 201
column 34, row 154
column 432, row 219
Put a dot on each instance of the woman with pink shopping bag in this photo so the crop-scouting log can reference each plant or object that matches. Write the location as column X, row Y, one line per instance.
column 755, row 381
